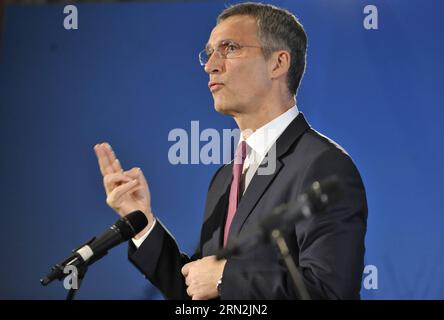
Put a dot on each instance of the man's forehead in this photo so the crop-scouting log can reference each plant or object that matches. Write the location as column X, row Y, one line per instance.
column 236, row 28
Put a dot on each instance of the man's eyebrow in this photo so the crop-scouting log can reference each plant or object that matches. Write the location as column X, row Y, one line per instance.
column 207, row 46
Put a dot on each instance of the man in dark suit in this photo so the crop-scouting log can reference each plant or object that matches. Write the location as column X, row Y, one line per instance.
column 255, row 58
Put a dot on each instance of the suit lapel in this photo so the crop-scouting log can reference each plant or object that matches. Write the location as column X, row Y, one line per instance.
column 215, row 211
column 259, row 183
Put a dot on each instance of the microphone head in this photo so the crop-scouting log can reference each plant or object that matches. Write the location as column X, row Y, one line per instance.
column 131, row 224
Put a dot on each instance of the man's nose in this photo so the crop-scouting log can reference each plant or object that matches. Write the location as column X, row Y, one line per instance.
column 214, row 64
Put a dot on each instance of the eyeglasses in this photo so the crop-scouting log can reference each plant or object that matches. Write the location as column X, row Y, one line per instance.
column 227, row 49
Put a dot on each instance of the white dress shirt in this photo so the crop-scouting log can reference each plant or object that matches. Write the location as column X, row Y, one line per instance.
column 261, row 141
column 258, row 144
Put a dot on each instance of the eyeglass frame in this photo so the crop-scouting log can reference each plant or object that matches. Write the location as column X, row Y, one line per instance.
column 222, row 43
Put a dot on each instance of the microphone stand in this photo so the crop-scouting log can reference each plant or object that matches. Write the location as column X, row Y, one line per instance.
column 270, row 230
column 249, row 241
column 278, row 239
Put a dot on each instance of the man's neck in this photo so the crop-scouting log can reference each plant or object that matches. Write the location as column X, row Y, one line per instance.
column 261, row 116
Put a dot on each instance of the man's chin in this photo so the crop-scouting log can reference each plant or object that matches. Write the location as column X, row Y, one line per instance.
column 221, row 106
column 223, row 109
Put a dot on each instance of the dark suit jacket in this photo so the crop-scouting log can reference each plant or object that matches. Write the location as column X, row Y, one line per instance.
column 328, row 248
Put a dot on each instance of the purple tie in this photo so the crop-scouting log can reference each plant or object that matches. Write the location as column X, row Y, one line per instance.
column 239, row 158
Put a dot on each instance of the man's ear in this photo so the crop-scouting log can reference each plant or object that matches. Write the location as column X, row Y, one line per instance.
column 280, row 63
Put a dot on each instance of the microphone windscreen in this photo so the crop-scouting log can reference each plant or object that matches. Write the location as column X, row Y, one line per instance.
column 132, row 224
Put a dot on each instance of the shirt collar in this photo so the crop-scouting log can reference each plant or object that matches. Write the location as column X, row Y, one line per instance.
column 261, row 140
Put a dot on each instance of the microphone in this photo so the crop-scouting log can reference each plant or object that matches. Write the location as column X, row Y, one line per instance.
column 94, row 249
column 313, row 201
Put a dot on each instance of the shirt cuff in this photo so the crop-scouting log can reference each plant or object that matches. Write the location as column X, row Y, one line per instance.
column 138, row 242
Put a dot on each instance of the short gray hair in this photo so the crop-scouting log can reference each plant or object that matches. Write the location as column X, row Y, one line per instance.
column 278, row 29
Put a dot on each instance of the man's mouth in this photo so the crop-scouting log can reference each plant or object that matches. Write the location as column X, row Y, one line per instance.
column 215, row 86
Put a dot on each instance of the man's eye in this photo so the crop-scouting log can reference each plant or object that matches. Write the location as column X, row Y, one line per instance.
column 231, row 48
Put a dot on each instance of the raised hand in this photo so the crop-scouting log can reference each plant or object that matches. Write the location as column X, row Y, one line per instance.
column 126, row 191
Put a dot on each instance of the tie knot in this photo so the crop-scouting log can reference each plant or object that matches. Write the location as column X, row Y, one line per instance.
column 241, row 153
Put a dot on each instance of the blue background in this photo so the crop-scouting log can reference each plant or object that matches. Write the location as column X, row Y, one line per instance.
column 130, row 74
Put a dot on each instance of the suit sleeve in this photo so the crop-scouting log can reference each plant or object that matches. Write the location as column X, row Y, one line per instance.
column 328, row 248
column 161, row 261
